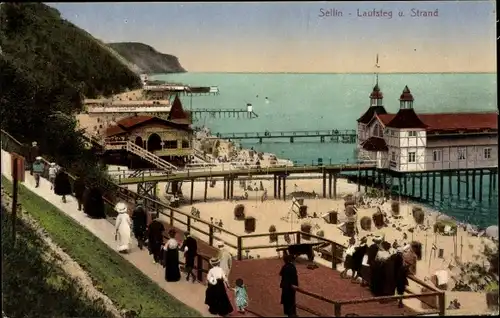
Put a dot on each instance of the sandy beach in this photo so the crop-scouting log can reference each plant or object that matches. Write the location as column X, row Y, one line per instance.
column 279, row 213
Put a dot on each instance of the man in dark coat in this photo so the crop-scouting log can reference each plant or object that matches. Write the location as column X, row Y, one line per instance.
column 79, row 190
column 93, row 203
column 289, row 280
column 140, row 223
column 155, row 238
column 190, row 249
column 62, row 185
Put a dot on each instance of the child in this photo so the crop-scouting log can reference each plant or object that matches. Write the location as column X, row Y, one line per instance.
column 241, row 295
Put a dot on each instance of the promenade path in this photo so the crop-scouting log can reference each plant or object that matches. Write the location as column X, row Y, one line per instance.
column 193, row 295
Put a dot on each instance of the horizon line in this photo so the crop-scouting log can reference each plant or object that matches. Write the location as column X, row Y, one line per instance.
column 326, row 73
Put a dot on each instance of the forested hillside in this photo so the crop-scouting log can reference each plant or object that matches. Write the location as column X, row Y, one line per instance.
column 47, row 65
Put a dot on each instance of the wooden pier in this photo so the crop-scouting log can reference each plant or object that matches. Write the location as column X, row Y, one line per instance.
column 223, row 113
column 347, row 136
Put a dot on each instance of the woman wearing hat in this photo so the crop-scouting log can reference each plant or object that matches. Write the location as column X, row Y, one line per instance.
column 216, row 295
column 226, row 259
column 122, row 225
column 171, row 258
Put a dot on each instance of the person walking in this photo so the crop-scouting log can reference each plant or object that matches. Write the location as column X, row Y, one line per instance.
column 37, row 170
column 190, row 249
column 155, row 238
column 62, row 185
column 216, row 294
column 289, row 280
column 122, row 227
column 52, row 174
column 140, row 223
column 79, row 191
column 226, row 259
column 171, row 256
column 33, row 153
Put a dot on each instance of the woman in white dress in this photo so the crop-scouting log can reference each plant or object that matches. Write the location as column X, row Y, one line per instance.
column 123, row 227
column 216, row 294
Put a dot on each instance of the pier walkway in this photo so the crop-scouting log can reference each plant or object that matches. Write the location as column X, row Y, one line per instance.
column 223, row 113
column 334, row 135
column 209, row 173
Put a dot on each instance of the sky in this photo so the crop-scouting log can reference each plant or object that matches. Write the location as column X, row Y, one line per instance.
column 302, row 37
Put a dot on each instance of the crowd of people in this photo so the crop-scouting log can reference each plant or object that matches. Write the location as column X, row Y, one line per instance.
column 150, row 234
column 381, row 266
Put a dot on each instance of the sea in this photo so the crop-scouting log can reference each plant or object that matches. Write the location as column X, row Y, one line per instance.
column 290, row 101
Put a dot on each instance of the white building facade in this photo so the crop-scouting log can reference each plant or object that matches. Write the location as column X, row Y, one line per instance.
column 407, row 142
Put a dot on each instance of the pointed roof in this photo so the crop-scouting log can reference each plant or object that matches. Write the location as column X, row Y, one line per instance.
column 406, row 96
column 368, row 115
column 406, row 118
column 177, row 113
column 374, row 144
column 376, row 93
column 372, row 110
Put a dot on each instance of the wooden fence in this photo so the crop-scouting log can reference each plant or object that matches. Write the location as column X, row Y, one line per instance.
column 192, row 223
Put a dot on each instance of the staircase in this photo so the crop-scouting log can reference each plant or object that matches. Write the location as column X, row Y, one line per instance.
column 198, row 156
column 141, row 152
column 148, row 156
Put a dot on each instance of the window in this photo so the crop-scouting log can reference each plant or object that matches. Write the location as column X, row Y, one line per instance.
column 487, row 153
column 170, row 144
column 375, row 130
column 185, row 144
column 393, row 156
column 411, row 157
column 412, row 133
column 392, row 133
column 380, row 131
column 436, row 155
column 461, row 153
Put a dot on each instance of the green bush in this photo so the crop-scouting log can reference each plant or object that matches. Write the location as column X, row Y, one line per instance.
column 34, row 287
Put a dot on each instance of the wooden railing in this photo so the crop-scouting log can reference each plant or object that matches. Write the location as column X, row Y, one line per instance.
column 338, row 304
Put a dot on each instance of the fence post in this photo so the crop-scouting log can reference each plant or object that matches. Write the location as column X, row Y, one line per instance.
column 337, row 310
column 442, row 304
column 211, row 235
column 188, row 224
column 171, row 217
column 298, row 237
column 199, row 269
column 334, row 255
column 240, row 247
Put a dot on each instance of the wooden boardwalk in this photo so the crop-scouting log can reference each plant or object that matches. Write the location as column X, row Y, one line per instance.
column 262, row 279
column 191, row 175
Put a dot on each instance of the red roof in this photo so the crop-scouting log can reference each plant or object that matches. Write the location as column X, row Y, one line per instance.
column 406, row 95
column 127, row 123
column 452, row 121
column 406, row 118
column 460, row 121
column 177, row 113
column 123, row 124
column 374, row 144
column 376, row 93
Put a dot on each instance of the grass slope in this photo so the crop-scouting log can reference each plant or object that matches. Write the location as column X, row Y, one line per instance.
column 124, row 284
column 30, row 277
